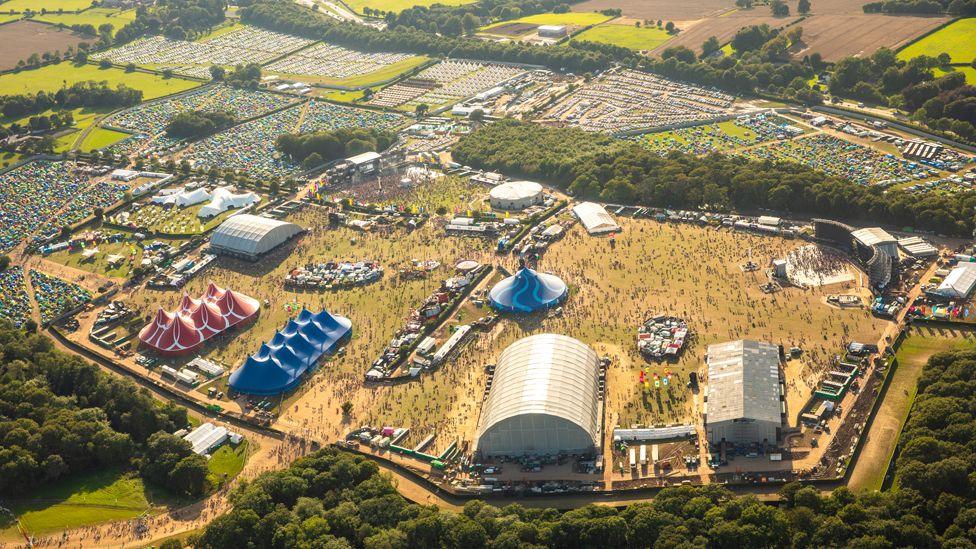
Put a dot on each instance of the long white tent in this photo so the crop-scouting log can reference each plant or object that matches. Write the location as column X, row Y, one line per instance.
column 595, row 218
column 960, row 282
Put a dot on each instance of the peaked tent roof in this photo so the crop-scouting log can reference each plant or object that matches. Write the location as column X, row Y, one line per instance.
column 279, row 364
column 527, row 291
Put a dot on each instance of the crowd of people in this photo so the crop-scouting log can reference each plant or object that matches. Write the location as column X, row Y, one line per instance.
column 55, row 296
column 14, row 304
column 36, row 194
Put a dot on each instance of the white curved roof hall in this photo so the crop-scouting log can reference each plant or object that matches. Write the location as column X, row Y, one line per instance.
column 543, row 400
column 252, row 235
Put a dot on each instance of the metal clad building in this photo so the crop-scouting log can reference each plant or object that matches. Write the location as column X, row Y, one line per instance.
column 744, row 403
column 249, row 237
column 543, row 400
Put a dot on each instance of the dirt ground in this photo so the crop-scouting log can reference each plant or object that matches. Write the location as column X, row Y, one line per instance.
column 22, row 38
column 667, row 10
column 695, row 33
column 838, row 36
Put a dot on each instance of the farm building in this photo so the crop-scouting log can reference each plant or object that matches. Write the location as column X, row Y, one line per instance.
column 959, row 283
column 249, row 237
column 552, row 31
column 543, row 400
column 743, row 404
column 527, row 291
column 281, row 363
column 876, row 237
column 516, row 195
column 595, row 218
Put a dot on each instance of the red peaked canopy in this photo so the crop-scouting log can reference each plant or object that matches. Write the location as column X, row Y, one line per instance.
column 197, row 320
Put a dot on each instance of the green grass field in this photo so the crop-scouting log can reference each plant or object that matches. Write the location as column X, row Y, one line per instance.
column 220, row 31
column 175, row 221
column 93, row 17
column 9, row 17
column 99, row 138
column 364, row 80
column 226, row 463
column 92, row 498
column 627, row 36
column 397, row 6
column 582, row 19
column 51, row 78
column 958, row 40
column 922, row 343
column 970, row 73
column 49, row 5
column 98, row 264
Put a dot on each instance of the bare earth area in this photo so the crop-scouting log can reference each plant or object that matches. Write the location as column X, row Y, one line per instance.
column 22, row 38
column 838, row 36
column 723, row 28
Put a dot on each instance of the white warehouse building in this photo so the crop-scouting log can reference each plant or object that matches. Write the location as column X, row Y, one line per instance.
column 516, row 195
column 249, row 237
column 544, row 399
column 743, row 404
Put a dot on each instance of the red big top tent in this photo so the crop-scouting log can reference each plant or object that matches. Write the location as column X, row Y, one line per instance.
column 197, row 320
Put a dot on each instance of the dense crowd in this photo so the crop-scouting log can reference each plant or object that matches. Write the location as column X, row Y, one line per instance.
column 14, row 304
column 55, row 296
column 34, row 195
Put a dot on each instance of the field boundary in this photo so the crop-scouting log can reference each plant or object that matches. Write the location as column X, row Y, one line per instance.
column 929, row 33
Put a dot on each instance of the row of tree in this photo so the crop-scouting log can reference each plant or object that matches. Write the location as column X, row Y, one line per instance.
column 946, row 103
column 96, row 95
column 61, row 416
column 317, row 148
column 292, row 18
column 198, row 124
column 594, row 166
column 466, row 18
column 952, row 7
column 179, row 19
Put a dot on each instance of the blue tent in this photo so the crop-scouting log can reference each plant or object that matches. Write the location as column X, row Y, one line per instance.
column 280, row 364
column 527, row 291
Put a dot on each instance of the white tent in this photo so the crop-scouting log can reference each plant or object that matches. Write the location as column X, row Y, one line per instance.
column 182, row 198
column 223, row 199
column 595, row 218
column 959, row 283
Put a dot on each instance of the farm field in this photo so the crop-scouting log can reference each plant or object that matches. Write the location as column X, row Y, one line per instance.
column 838, row 36
column 958, row 40
column 724, row 28
column 970, row 73
column 4, row 17
column 92, row 498
column 921, row 343
column 49, row 5
column 21, row 39
column 627, row 36
column 52, row 77
column 93, row 17
column 569, row 18
column 397, row 6
column 659, row 9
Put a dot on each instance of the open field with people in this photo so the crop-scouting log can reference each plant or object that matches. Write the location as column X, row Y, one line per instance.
column 51, row 78
column 626, row 35
column 92, row 16
column 956, row 39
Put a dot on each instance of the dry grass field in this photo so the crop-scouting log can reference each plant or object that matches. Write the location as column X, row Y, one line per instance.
column 23, row 38
column 724, row 28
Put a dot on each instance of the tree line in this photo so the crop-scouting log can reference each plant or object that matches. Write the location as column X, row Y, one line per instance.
column 81, row 94
column 467, row 18
column 62, row 416
column 596, row 166
column 198, row 124
column 292, row 18
column 178, row 19
column 927, row 7
column 317, row 148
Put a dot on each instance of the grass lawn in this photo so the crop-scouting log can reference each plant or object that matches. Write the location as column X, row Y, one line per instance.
column 397, row 6
column 51, row 78
column 8, row 158
column 49, row 5
column 226, row 462
column 922, row 343
column 727, row 50
column 93, row 17
column 100, row 138
column 340, row 95
column 970, row 73
column 98, row 264
column 581, row 19
column 627, row 36
column 9, row 17
column 957, row 40
column 92, row 498
column 376, row 77
column 221, row 30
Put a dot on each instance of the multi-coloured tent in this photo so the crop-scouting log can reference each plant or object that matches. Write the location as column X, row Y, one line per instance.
column 527, row 291
column 197, row 320
column 280, row 364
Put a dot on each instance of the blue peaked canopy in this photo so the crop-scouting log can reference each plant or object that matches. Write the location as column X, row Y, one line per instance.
column 527, row 291
column 279, row 364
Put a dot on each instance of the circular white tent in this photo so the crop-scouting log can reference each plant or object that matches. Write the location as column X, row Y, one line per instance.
column 515, row 195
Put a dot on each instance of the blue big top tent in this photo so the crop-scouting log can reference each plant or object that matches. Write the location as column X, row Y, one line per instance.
column 527, row 291
column 279, row 364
